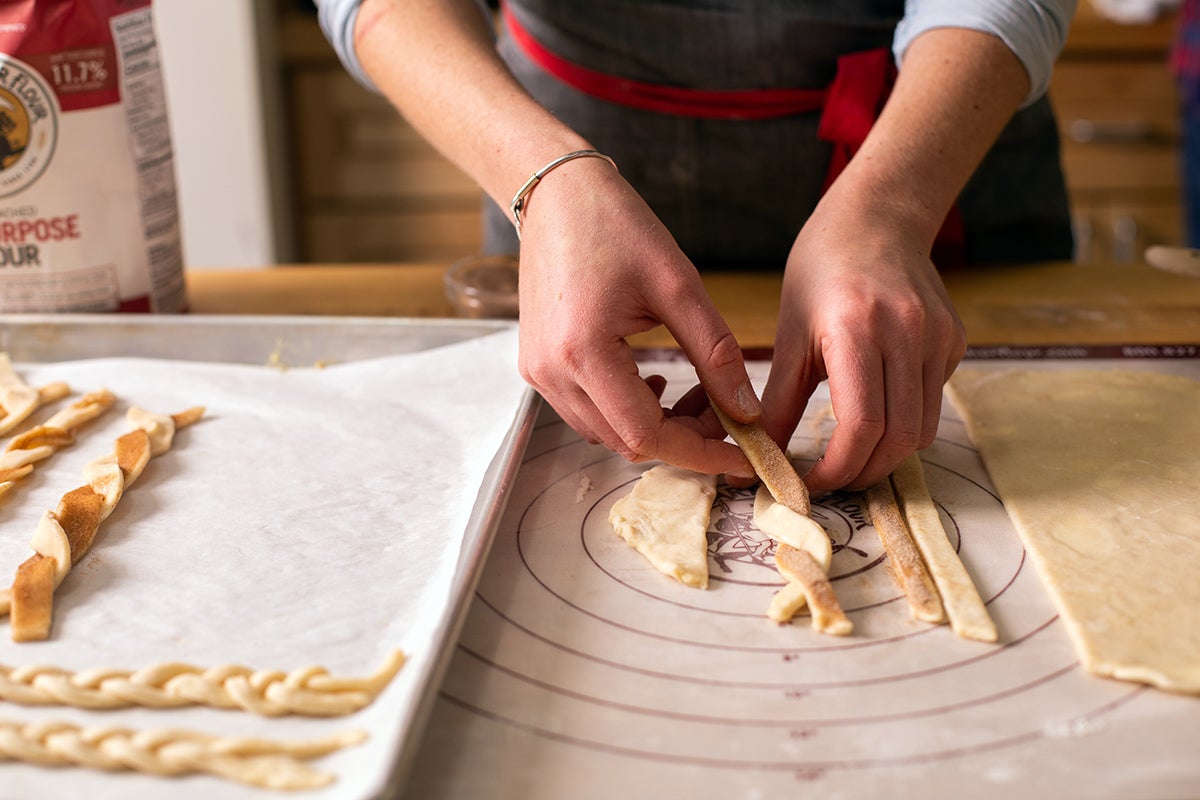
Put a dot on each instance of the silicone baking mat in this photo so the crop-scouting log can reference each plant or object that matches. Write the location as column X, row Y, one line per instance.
column 582, row 672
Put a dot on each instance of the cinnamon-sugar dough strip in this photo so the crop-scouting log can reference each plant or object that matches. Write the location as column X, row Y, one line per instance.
column 770, row 463
column 903, row 558
column 960, row 598
column 800, row 568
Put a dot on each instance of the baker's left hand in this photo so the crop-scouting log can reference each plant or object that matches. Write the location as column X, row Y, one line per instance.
column 863, row 306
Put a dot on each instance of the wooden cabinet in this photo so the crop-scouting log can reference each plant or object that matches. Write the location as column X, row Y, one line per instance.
column 367, row 187
column 1118, row 114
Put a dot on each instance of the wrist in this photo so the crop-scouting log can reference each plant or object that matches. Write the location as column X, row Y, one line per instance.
column 873, row 204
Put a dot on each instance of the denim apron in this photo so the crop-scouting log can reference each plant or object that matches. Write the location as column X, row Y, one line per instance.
column 735, row 192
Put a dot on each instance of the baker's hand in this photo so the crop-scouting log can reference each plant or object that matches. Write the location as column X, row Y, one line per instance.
column 597, row 266
column 863, row 306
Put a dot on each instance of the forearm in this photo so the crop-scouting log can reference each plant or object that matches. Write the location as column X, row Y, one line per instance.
column 435, row 61
column 956, row 91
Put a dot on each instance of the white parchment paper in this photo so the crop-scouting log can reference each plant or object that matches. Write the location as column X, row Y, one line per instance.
column 314, row 516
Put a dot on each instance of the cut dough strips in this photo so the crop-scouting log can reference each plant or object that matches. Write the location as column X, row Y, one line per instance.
column 1098, row 472
column 266, row 763
column 920, row 557
column 65, row 534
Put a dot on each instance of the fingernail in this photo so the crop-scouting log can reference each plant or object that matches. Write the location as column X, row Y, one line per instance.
column 747, row 400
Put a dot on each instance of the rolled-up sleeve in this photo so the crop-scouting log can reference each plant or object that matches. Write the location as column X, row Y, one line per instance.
column 337, row 18
column 1034, row 30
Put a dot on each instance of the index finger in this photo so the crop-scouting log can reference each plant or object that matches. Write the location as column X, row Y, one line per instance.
column 856, row 394
column 631, row 408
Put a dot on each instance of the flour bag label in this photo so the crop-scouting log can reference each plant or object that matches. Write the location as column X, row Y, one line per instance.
column 89, row 219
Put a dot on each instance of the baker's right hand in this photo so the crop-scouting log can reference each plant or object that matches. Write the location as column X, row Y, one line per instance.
column 597, row 266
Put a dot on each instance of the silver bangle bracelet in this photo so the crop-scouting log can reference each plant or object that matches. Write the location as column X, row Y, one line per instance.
column 518, row 202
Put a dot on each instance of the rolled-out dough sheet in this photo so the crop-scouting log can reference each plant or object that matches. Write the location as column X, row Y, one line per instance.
column 1099, row 471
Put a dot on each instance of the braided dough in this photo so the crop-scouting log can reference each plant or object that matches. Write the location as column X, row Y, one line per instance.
column 803, row 553
column 65, row 534
column 1097, row 470
column 18, row 399
column 41, row 442
column 803, row 550
column 168, row 753
column 310, row 691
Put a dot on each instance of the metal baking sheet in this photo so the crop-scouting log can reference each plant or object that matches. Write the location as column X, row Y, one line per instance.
column 582, row 672
column 302, row 341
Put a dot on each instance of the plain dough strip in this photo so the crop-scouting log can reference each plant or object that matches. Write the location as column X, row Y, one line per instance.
column 42, row 441
column 266, row 763
column 800, row 568
column 968, row 616
column 65, row 534
column 770, row 463
column 310, row 691
column 785, row 526
column 903, row 557
column 18, row 399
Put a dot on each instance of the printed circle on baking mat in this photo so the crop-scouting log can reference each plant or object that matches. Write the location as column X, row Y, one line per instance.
column 584, row 577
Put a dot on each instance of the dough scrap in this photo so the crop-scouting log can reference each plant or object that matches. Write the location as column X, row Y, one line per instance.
column 1098, row 471
column 665, row 518
column 267, row 763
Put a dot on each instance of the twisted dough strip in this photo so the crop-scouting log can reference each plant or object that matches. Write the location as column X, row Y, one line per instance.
column 58, row 432
column 311, row 691
column 802, row 549
column 167, row 753
column 65, row 534
column 18, row 399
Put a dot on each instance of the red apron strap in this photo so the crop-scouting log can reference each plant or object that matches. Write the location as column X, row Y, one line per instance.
column 859, row 89
column 850, row 106
column 680, row 101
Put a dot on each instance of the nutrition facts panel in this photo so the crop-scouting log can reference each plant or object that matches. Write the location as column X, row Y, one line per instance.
column 150, row 138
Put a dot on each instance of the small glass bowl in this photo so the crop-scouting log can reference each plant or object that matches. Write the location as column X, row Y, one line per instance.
column 483, row 286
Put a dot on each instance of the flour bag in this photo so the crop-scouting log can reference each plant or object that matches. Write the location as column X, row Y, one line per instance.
column 89, row 219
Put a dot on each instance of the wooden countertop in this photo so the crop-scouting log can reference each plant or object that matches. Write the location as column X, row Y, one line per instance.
column 1043, row 304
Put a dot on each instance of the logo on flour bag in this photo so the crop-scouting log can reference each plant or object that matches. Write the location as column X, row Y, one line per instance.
column 28, row 126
